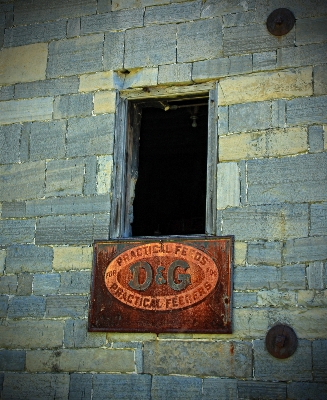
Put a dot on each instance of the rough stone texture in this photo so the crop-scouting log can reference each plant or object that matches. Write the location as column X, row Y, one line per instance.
column 73, row 27
column 316, row 275
column 72, row 258
column 167, row 357
column 320, row 80
column 228, row 185
column 8, row 285
column 76, row 282
column 250, row 322
column 274, row 298
column 316, row 139
column 249, row 116
column 104, row 102
column 319, row 350
column 80, row 386
column 172, row 13
column 75, row 56
column 212, row 8
column 10, row 136
column 226, row 389
column 76, row 335
column 7, row 92
column 141, row 77
column 25, row 282
column 105, row 165
column 318, row 220
column 264, row 61
column 306, row 390
column 12, row 360
column 305, row 249
column 26, row 306
column 107, row 80
column 23, row 63
column 316, row 27
column 244, row 299
column 150, row 46
column 175, row 74
column 261, row 390
column 267, row 253
column 312, row 298
column 3, row 304
column 46, row 284
column 80, row 360
column 311, row 54
column 49, row 87
column 114, row 49
column 177, row 387
column 307, row 110
column 77, row 105
column 66, row 306
column 17, row 231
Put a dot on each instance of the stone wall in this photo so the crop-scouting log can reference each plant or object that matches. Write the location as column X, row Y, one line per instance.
column 62, row 64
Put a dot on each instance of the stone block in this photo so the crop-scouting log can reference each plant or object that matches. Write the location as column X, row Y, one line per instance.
column 176, row 12
column 113, row 50
column 10, row 136
column 73, row 27
column 26, row 306
column 75, row 282
column 122, row 386
column 7, row 92
column 244, row 299
column 207, row 34
column 38, row 109
column 117, row 21
column 141, row 77
column 76, row 335
column 306, row 390
column 312, row 298
column 307, row 323
column 240, row 253
column 23, row 63
column 311, row 54
column 251, row 38
column 266, row 222
column 269, row 143
column 319, row 352
column 150, row 46
column 261, row 390
column 25, row 282
column 264, row 61
column 17, row 231
column 295, row 368
column 275, row 298
column 205, row 358
column 8, row 284
column 75, row 56
column 291, row 179
column 105, row 166
column 265, row 86
column 66, row 306
column 239, row 19
column 305, row 249
column 80, row 386
column 121, row 4
column 28, row 258
column 175, row 74
column 65, row 177
column 3, row 305
column 307, row 110
column 292, row 277
column 264, row 277
column 72, row 258
column 47, row 140
column 38, row 11
column 36, row 386
column 278, row 113
column 220, row 67
column 31, row 334
column 3, row 254
column 228, row 185
column 107, row 80
column 105, row 102
column 267, row 253
column 316, row 139
column 49, row 87
column 90, row 184
column 213, row 8
column 46, row 284
column 320, row 79
column 75, row 105
column 226, row 389
column 318, row 220
column 103, row 6
column 316, row 27
column 90, row 135
column 80, row 360
column 223, row 120
column 316, row 275
column 176, row 387
column 249, row 116
column 37, row 33
column 250, row 322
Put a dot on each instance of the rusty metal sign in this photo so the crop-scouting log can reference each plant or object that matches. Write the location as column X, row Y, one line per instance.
column 162, row 285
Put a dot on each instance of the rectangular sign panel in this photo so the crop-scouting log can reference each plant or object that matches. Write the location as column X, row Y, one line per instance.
column 162, row 285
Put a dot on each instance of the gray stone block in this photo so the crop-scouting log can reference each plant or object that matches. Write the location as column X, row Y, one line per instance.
column 266, row 222
column 278, row 113
column 46, row 284
column 223, row 120
column 14, row 231
column 119, row 20
column 176, row 387
column 8, row 284
column 29, row 258
column 26, row 306
column 22, row 181
column 6, row 92
column 104, row 6
column 49, row 87
column 66, row 306
column 264, row 61
column 227, row 359
column 311, row 54
column 307, row 110
column 292, row 277
column 75, row 105
column 73, row 27
column 124, row 387
column 24, row 287
column 10, row 143
column 177, row 12
column 75, row 282
column 14, row 209
column 12, row 360
column 288, row 179
column 76, row 335
column 90, row 181
column 80, row 386
column 38, row 33
column 150, row 46
column 79, row 229
column 316, row 138
column 213, row 8
column 35, row 386
column 264, row 277
column 295, row 368
column 175, row 73
column 261, row 390
column 206, row 34
column 75, row 56
column 3, row 305
column 47, row 140
column 249, row 116
column 268, row 253
column 244, row 299
column 306, row 390
column 316, row 275
column 319, row 352
column 225, row 389
column 90, row 135
column 113, row 52
column 318, row 219
column 316, row 27
column 239, row 18
column 305, row 249
column 39, row 11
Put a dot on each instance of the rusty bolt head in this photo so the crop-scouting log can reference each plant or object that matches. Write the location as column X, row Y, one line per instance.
column 281, row 341
column 280, row 22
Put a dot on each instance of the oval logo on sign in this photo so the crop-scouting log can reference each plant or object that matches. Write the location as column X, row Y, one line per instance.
column 161, row 276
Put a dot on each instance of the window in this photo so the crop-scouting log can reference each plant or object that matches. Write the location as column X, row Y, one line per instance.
column 165, row 161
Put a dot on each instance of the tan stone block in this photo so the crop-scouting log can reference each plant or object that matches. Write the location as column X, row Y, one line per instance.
column 266, row 86
column 105, row 102
column 320, row 79
column 23, row 63
column 274, row 298
column 141, row 77
column 105, row 164
column 312, row 298
column 72, row 258
column 130, row 337
column 106, row 80
column 228, row 185
column 268, row 143
column 240, row 250
column 249, row 322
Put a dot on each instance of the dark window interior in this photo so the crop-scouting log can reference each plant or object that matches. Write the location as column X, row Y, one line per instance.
column 170, row 193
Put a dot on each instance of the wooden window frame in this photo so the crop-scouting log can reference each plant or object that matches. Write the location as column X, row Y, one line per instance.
column 126, row 146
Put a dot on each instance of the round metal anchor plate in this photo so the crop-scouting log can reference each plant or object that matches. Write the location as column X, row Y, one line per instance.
column 281, row 341
column 280, row 22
